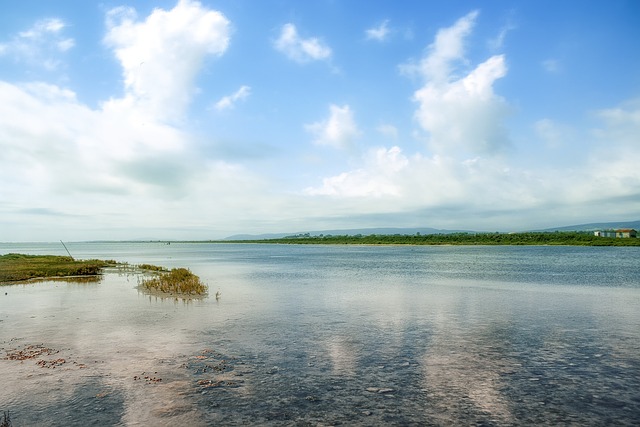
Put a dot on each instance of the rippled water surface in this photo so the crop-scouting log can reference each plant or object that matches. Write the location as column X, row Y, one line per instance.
column 329, row 335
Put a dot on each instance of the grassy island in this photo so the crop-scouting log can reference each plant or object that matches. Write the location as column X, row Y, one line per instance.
column 19, row 267
column 532, row 238
column 177, row 281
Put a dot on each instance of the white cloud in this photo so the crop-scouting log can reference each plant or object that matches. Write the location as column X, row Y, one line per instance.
column 300, row 49
column 107, row 168
column 378, row 33
column 230, row 100
column 447, row 48
column 42, row 28
column 161, row 55
column 77, row 149
column 375, row 179
column 339, row 130
column 462, row 115
column 40, row 45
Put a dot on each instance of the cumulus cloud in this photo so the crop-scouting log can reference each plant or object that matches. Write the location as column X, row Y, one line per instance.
column 123, row 161
column 390, row 181
column 378, row 33
column 339, row 130
column 229, row 101
column 465, row 116
column 161, row 55
column 40, row 45
column 375, row 179
column 98, row 168
column 447, row 50
column 462, row 115
column 300, row 49
column 73, row 148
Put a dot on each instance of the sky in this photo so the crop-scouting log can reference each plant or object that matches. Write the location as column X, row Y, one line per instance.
column 203, row 119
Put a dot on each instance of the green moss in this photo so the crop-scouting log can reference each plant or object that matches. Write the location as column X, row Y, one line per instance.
column 178, row 281
column 18, row 267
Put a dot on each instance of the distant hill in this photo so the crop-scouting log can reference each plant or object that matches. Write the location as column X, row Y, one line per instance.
column 597, row 226
column 348, row 232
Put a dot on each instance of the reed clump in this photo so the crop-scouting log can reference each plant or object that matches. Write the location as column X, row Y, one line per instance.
column 19, row 267
column 177, row 281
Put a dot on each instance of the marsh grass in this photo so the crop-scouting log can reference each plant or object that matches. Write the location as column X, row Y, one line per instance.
column 19, row 267
column 177, row 281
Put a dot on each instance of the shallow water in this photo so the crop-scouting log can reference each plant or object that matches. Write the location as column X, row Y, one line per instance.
column 328, row 335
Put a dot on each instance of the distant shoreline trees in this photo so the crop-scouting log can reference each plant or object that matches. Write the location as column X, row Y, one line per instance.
column 570, row 238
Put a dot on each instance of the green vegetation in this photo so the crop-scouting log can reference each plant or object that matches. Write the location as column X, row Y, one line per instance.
column 17, row 267
column 534, row 238
column 178, row 281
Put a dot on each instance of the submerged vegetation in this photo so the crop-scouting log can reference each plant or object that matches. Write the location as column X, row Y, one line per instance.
column 18, row 267
column 572, row 238
column 178, row 281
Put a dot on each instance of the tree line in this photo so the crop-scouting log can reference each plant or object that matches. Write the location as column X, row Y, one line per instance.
column 572, row 238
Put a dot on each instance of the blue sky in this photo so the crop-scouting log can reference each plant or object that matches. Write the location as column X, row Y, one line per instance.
column 199, row 120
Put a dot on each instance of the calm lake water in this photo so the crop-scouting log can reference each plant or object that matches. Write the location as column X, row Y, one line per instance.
column 329, row 335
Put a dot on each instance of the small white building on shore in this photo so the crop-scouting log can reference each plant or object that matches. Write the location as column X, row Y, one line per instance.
column 619, row 233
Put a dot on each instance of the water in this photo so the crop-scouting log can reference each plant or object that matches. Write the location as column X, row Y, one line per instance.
column 330, row 335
